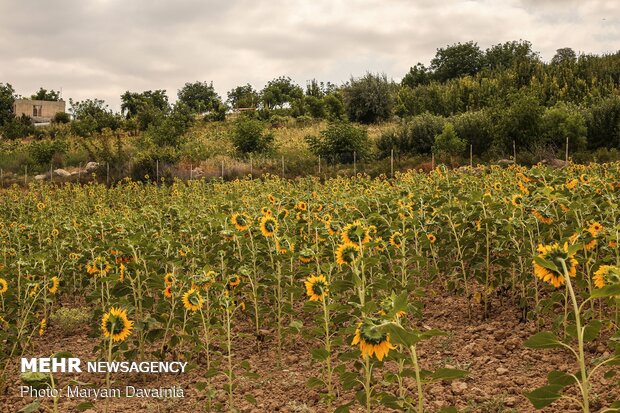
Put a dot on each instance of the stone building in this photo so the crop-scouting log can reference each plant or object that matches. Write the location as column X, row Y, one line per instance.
column 41, row 111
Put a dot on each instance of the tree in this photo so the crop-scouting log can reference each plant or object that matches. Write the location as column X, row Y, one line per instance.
column 200, row 97
column 447, row 143
column 92, row 115
column 418, row 75
column 334, row 106
column 44, row 94
column 7, row 99
column 243, row 97
column 169, row 131
column 603, row 120
column 339, row 141
column 369, row 99
column 457, row 60
column 520, row 122
column 565, row 55
column 279, row 92
column 561, row 122
column 475, row 128
column 249, row 136
column 17, row 127
column 509, row 55
column 148, row 107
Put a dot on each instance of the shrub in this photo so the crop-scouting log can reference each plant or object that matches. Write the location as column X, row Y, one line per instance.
column 447, row 143
column 70, row 320
column 43, row 152
column 416, row 136
column 249, row 136
column 61, row 117
column 369, row 99
column 338, row 142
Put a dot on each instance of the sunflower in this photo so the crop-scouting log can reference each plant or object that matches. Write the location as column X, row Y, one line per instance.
column 169, row 279
column 316, row 287
column 192, row 300
column 42, row 327
column 203, row 281
column 233, row 282
column 306, row 255
column 99, row 266
column 121, row 272
column 55, row 232
column 268, row 226
column 572, row 184
column 432, row 238
column 595, row 228
column 517, row 200
column 282, row 213
column 584, row 178
column 497, row 186
column 271, row 198
column 387, row 306
column 53, row 285
column 240, row 221
column 266, row 211
column 371, row 340
column 332, row 229
column 355, row 233
column 4, row 286
column 556, row 254
column 590, row 245
column 115, row 324
column 539, row 216
column 168, row 291
column 346, row 253
column 606, row 275
column 396, row 240
column 302, row 206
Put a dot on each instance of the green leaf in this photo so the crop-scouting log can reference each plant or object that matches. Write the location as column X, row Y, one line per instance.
column 84, row 406
column 560, row 378
column 544, row 396
column 314, row 382
column 546, row 264
column 30, row 408
column 544, row 339
column 251, row 399
column 607, row 291
column 399, row 335
column 448, row 374
column 450, row 409
column 591, row 331
column 319, row 354
column 62, row 355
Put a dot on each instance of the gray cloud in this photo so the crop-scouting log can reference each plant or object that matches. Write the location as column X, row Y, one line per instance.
column 100, row 48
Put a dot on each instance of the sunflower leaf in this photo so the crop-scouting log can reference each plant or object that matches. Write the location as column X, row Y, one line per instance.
column 399, row 335
column 544, row 339
column 607, row 291
column 544, row 396
column 591, row 331
column 560, row 378
column 546, row 264
column 448, row 374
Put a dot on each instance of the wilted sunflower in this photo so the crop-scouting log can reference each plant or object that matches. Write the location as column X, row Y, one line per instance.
column 595, row 228
column 306, row 255
column 316, row 287
column 240, row 221
column 517, row 200
column 346, row 253
column 556, row 254
column 53, row 285
column 396, row 240
column 192, row 300
column 115, row 324
column 371, row 340
column 4, row 286
column 268, row 226
column 233, row 282
column 606, row 275
column 355, row 233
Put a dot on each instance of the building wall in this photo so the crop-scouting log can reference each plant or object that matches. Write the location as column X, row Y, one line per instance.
column 48, row 108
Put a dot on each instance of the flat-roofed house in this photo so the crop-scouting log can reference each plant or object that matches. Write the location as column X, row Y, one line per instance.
column 41, row 111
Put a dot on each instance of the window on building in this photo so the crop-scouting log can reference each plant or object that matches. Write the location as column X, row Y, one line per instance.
column 36, row 110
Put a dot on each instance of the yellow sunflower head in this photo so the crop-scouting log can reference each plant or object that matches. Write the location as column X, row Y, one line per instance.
column 371, row 340
column 316, row 287
column 4, row 286
column 233, row 282
column 266, row 211
column 302, row 206
column 595, row 228
column 42, row 327
column 268, row 226
column 203, row 281
column 556, row 255
column 192, row 300
column 241, row 221
column 355, row 233
column 271, row 198
column 606, row 275
column 432, row 238
column 347, row 253
column 169, row 278
column 53, row 285
column 168, row 291
column 116, row 325
column 517, row 200
column 396, row 240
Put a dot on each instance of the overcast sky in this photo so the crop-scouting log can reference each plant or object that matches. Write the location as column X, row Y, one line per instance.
column 101, row 48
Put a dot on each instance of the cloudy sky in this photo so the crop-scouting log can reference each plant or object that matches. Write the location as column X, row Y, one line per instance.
column 101, row 48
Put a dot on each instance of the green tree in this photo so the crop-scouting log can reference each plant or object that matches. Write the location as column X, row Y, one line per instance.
column 243, row 97
column 18, row 127
column 334, row 106
column 447, row 143
column 564, row 56
column 520, row 122
column 457, row 60
column 476, row 129
column 7, row 99
column 200, row 97
column 369, row 99
column 603, row 122
column 417, row 75
column 44, row 94
column 563, row 121
column 509, row 55
column 339, row 141
column 280, row 92
column 249, row 136
column 92, row 115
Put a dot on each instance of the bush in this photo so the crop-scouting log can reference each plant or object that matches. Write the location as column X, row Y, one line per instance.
column 447, row 143
column 44, row 151
column 249, row 136
column 18, row 127
column 338, row 142
column 369, row 99
column 416, row 136
column 70, row 320
column 61, row 117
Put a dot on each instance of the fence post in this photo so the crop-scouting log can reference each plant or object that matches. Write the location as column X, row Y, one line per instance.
column 567, row 149
column 514, row 152
column 432, row 160
column 319, row 164
column 392, row 163
column 2, row 177
column 283, row 167
column 191, row 171
column 80, row 172
column 251, row 167
column 26, row 175
column 471, row 156
column 157, row 170
column 222, row 170
column 51, row 173
column 107, row 174
column 354, row 163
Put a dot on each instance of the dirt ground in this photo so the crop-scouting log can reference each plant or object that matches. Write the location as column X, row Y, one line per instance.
column 501, row 370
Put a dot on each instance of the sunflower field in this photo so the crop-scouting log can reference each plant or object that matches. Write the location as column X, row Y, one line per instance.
column 339, row 272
